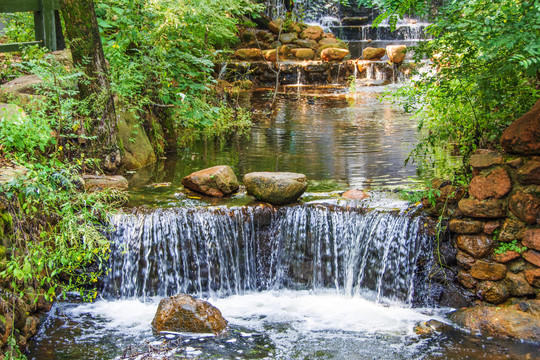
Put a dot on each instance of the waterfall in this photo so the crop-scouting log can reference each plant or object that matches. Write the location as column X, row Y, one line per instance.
column 224, row 251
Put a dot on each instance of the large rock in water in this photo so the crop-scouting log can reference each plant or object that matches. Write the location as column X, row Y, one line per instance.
column 333, row 54
column 370, row 53
column 520, row 321
column 183, row 313
column 523, row 135
column 215, row 181
column 275, row 187
column 396, row 53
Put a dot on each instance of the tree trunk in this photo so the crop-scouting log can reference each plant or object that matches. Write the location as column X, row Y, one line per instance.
column 85, row 43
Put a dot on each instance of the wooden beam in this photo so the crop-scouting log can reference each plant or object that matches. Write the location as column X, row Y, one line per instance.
column 13, row 6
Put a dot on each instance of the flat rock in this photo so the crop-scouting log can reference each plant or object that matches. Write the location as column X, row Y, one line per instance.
column 355, row 194
column 533, row 277
column 303, row 53
column 11, row 173
column 215, row 181
column 183, row 313
column 102, row 182
column 489, row 208
column 22, row 88
column 487, row 270
column 520, row 321
column 288, row 38
column 465, row 226
column 506, row 256
column 532, row 256
column 333, row 54
column 248, row 54
column 518, row 285
column 275, row 187
column 523, row 135
column 531, row 239
column 496, row 185
column 483, row 160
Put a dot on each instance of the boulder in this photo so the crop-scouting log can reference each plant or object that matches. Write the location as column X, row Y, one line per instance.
column 183, row 313
column 307, row 43
column 275, row 26
column 520, row 321
column 487, row 270
column 495, row 185
column 303, row 54
column 355, row 194
column 275, row 187
column 10, row 173
column 333, row 54
column 533, row 277
column 396, row 53
column 248, row 54
column 517, row 285
column 484, row 159
column 22, row 88
column 215, row 181
column 489, row 208
column 494, row 292
column 102, row 182
column 330, row 46
column 532, row 256
column 312, row 33
column 523, row 135
column 370, row 53
column 529, row 174
column 525, row 206
column 531, row 239
column 138, row 150
column 476, row 245
column 264, row 36
column 465, row 226
column 288, row 38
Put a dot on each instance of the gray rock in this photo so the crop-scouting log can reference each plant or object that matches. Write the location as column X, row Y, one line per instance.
column 275, row 187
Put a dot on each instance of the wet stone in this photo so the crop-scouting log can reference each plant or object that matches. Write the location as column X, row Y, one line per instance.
column 465, row 226
column 533, row 277
column 506, row 256
column 495, row 185
column 464, row 260
column 476, row 245
column 532, row 256
column 529, row 174
column 490, row 208
column 518, row 285
column 490, row 227
column 493, row 292
column 512, row 230
column 531, row 239
column 215, row 181
column 525, row 206
column 466, row 279
column 486, row 270
column 517, row 265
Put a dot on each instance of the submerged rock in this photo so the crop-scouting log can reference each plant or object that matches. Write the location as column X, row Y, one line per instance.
column 215, row 181
column 520, row 321
column 355, row 194
column 275, row 187
column 102, row 182
column 183, row 313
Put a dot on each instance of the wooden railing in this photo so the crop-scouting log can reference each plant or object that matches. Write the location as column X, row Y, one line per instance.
column 44, row 21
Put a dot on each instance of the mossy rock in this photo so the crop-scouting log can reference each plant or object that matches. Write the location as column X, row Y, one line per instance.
column 138, row 151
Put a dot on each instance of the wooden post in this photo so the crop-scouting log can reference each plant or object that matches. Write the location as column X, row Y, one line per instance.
column 45, row 24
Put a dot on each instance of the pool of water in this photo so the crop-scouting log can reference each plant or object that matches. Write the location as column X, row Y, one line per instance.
column 339, row 139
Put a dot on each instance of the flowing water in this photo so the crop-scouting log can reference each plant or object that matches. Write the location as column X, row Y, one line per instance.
column 326, row 278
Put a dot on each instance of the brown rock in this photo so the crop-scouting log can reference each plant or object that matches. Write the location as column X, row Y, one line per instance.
column 531, row 239
column 517, row 265
column 484, row 160
column 489, row 208
column 328, row 41
column 505, row 256
column 517, row 285
column 215, row 181
column 303, row 54
column 523, row 135
column 396, row 53
column 490, row 227
column 532, row 256
column 248, row 54
column 520, row 321
column 533, row 277
column 465, row 226
column 275, row 187
column 495, row 185
column 494, row 292
column 182, row 313
column 270, row 55
column 486, row 270
column 464, row 260
column 515, row 163
column 430, row 327
column 31, row 327
column 102, row 182
column 370, row 53
column 265, row 36
column 288, row 38
column 275, row 26
column 525, row 206
column 529, row 174
column 307, row 43
column 476, row 245
column 333, row 54
column 355, row 194
column 512, row 230
column 466, row 279
column 312, row 33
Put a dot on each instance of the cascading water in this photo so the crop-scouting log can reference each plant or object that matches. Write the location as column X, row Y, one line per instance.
column 221, row 252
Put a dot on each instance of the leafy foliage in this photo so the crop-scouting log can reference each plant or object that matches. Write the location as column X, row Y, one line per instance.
column 486, row 57
column 509, row 246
